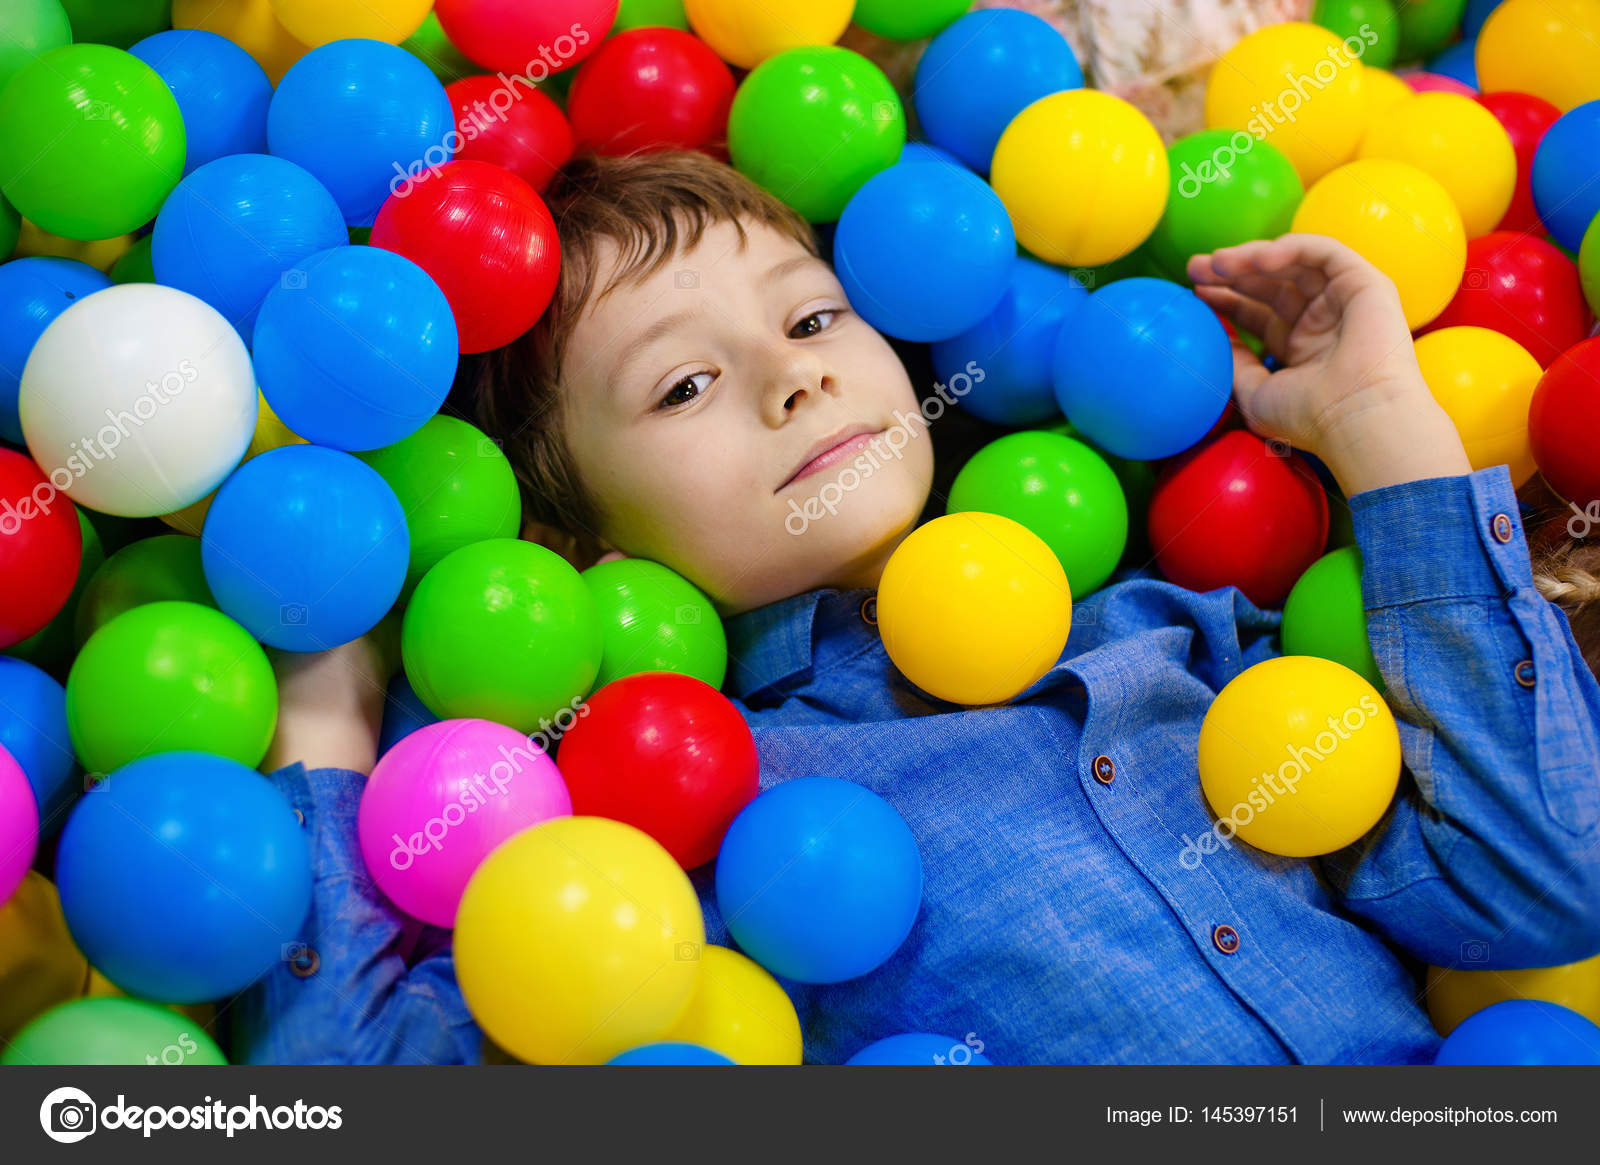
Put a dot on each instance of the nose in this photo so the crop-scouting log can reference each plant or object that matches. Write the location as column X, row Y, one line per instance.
column 797, row 377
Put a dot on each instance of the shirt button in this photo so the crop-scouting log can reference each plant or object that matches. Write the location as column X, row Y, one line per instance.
column 1105, row 771
column 1501, row 525
column 869, row 610
column 305, row 962
column 1524, row 673
column 1226, row 938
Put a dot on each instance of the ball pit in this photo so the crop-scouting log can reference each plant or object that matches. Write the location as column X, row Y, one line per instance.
column 1459, row 143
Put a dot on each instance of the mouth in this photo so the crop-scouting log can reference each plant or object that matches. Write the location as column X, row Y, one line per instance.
column 831, row 451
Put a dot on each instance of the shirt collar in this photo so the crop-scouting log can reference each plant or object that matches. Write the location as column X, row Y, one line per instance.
column 774, row 643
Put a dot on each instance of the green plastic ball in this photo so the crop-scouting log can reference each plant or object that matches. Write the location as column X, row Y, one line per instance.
column 907, row 19
column 433, row 48
column 50, row 648
column 654, row 619
column 119, row 23
column 1138, row 481
column 153, row 570
column 650, row 14
column 1059, row 488
column 502, row 630
column 812, row 124
column 31, row 28
column 135, row 266
column 1348, row 18
column 1324, row 615
column 91, row 141
column 10, row 229
column 1226, row 188
column 167, row 676
column 1589, row 265
column 1426, row 26
column 112, row 1030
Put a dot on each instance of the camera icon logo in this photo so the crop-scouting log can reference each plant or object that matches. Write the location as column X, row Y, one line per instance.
column 1476, row 279
column 686, row 951
column 1279, row 448
column 97, row 111
column 293, row 279
column 292, row 614
column 686, row 280
column 67, row 1115
column 885, row 110
column 488, row 446
column 686, row 614
column 1474, row 950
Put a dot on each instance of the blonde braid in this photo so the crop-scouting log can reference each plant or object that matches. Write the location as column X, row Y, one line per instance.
column 1568, row 586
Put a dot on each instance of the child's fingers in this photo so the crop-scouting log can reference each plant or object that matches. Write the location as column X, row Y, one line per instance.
column 1307, row 261
column 1252, row 315
column 1248, row 371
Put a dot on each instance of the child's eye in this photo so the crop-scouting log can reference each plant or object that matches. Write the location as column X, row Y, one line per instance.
column 814, row 323
column 685, row 390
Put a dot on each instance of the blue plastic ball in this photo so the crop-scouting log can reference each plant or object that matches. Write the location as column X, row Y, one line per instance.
column 920, row 1048
column 1472, row 20
column 1013, row 348
column 923, row 152
column 236, row 228
column 983, row 70
column 363, row 116
column 924, row 252
column 1522, row 1031
column 819, row 880
column 221, row 92
column 183, row 877
column 1143, row 368
column 403, row 713
column 33, row 729
column 1566, row 175
column 355, row 348
column 305, row 547
column 1458, row 62
column 670, row 1052
column 33, row 292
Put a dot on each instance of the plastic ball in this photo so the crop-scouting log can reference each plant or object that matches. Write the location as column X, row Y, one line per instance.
column 670, row 1052
column 1543, row 47
column 513, row 126
column 52, row 648
column 1383, row 92
column 19, row 825
column 1401, row 221
column 907, row 19
column 1589, row 266
column 1563, row 418
column 740, row 1012
column 315, row 22
column 1456, row 62
column 1426, row 25
column 1437, row 83
column 1525, row 289
column 973, row 608
column 33, row 27
column 746, row 34
column 305, row 547
column 33, row 732
column 1522, row 1031
column 819, row 880
column 238, row 227
column 488, row 241
column 403, row 714
column 1143, row 369
column 10, row 229
column 433, row 48
column 270, row 433
column 33, row 292
column 116, row 22
column 1252, row 85
column 1373, row 22
column 1485, row 382
column 1236, row 512
column 1226, row 188
column 1101, row 148
column 91, row 141
column 809, row 103
column 924, row 252
column 652, row 89
column 362, row 116
column 441, row 800
column 112, row 1030
column 168, row 676
column 921, row 1048
column 576, row 940
column 250, row 24
column 502, row 630
column 152, row 570
column 134, row 266
column 1454, row 994
column 1566, row 175
column 1324, row 615
column 654, row 619
column 1525, row 119
column 531, row 37
column 356, row 348
column 40, row 548
column 1007, row 359
column 221, row 91
column 1060, row 489
column 976, row 76
column 666, row 753
column 183, row 877
column 1459, row 143
column 1299, row 755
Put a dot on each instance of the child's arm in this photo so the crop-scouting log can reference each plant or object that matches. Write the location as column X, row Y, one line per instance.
column 1491, row 857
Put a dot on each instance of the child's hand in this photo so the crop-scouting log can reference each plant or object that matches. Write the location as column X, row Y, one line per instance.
column 1349, row 390
column 330, row 703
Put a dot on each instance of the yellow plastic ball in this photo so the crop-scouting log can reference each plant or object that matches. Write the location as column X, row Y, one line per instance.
column 1485, row 382
column 740, row 1011
column 1402, row 221
column 270, row 433
column 1453, row 995
column 973, row 608
column 101, row 254
column 1297, row 86
column 576, row 940
column 316, row 22
column 1083, row 175
column 746, row 34
column 1298, row 756
column 1459, row 142
column 1550, row 48
column 250, row 24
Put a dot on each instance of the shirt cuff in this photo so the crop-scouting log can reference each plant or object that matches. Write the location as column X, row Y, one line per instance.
column 326, row 801
column 1441, row 538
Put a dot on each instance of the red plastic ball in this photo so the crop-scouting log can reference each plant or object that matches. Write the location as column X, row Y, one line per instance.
column 514, row 126
column 1238, row 512
column 666, row 753
column 488, row 241
column 533, row 38
column 1522, row 287
column 652, row 89
column 1564, row 426
column 41, row 547
column 1525, row 118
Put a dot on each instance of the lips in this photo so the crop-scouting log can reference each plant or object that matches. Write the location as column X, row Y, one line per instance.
column 831, row 451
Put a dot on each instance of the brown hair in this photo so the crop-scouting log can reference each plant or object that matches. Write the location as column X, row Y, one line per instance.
column 650, row 206
column 1566, row 567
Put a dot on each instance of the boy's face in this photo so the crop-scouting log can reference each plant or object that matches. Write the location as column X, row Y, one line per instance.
column 736, row 421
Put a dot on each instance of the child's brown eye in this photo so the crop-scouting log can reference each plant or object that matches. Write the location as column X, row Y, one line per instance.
column 811, row 325
column 683, row 392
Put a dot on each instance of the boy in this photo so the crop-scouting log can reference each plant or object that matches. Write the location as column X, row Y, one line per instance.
column 699, row 370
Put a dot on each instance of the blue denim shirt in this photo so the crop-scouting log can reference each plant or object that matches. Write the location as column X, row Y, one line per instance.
column 1062, row 920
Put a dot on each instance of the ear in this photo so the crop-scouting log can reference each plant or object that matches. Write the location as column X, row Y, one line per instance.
column 581, row 552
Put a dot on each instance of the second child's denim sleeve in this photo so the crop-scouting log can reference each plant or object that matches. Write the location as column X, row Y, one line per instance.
column 346, row 992
column 1490, row 855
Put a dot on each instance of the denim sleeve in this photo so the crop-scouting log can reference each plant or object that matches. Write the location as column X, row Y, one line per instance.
column 1489, row 855
column 345, row 994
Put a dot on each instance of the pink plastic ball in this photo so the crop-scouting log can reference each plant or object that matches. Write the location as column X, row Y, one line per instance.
column 441, row 799
column 19, row 825
column 1437, row 83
